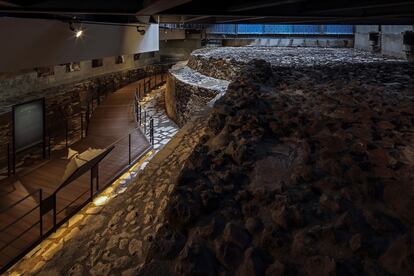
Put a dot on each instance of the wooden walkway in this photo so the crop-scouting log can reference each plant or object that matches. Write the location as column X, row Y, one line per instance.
column 110, row 123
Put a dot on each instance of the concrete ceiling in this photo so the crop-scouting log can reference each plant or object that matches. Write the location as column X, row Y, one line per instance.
column 216, row 11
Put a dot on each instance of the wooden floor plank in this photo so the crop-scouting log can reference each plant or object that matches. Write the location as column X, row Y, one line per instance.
column 111, row 121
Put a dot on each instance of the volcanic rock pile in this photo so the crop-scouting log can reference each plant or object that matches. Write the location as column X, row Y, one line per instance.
column 227, row 62
column 302, row 172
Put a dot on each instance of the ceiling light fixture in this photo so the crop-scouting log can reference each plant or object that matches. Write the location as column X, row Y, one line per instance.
column 78, row 32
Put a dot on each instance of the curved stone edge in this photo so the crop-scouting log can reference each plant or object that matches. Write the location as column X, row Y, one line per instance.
column 229, row 68
column 189, row 91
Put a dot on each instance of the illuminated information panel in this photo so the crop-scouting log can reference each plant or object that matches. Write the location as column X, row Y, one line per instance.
column 28, row 124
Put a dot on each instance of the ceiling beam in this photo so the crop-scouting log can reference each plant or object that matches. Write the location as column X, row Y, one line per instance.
column 358, row 19
column 240, row 19
column 8, row 4
column 153, row 7
column 197, row 18
column 261, row 5
column 363, row 6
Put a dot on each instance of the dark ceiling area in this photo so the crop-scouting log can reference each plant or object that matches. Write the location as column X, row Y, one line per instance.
column 216, row 11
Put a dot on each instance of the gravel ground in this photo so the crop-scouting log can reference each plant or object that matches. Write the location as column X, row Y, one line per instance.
column 281, row 56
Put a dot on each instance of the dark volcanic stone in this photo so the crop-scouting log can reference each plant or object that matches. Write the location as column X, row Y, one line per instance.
column 253, row 263
column 309, row 171
column 196, row 259
column 180, row 212
column 228, row 254
column 167, row 245
column 236, row 234
column 253, row 225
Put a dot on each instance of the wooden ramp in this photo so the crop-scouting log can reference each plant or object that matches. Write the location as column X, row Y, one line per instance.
column 112, row 123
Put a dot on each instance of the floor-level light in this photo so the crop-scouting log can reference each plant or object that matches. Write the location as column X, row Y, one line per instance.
column 101, row 200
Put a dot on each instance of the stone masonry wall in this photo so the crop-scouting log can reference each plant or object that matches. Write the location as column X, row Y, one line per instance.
column 188, row 91
column 225, row 69
column 68, row 100
column 186, row 98
column 25, row 81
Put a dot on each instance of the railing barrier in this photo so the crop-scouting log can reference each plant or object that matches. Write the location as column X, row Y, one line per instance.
column 48, row 204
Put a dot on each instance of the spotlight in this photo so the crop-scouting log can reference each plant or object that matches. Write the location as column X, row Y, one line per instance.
column 78, row 32
column 141, row 32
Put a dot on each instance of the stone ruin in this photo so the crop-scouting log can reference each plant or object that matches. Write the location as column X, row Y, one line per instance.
column 302, row 171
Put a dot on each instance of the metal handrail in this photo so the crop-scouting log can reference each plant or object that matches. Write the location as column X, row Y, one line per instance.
column 40, row 222
column 123, row 137
column 19, row 201
column 16, row 238
column 16, row 220
column 67, row 206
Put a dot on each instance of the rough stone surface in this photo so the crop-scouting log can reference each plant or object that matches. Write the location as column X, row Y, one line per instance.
column 296, row 171
column 188, row 91
column 231, row 60
column 302, row 171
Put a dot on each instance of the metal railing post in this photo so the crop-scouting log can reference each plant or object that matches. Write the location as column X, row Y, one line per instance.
column 50, row 147
column 129, row 148
column 152, row 131
column 140, row 114
column 14, row 159
column 40, row 212
column 145, row 122
column 67, row 131
column 97, row 177
column 8, row 160
column 81, row 115
column 54, row 212
column 91, row 184
column 137, row 111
